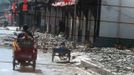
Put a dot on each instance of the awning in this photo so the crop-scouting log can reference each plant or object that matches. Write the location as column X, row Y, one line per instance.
column 64, row 2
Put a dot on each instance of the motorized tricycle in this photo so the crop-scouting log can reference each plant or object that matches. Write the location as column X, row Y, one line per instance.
column 24, row 52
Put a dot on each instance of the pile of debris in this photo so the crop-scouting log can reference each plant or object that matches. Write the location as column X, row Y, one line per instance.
column 48, row 41
column 119, row 62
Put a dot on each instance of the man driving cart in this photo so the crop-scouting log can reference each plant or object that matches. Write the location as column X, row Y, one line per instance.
column 24, row 34
column 24, row 50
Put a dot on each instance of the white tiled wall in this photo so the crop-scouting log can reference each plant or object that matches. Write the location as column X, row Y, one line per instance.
column 109, row 13
column 117, row 20
column 110, row 2
column 129, row 3
column 127, row 15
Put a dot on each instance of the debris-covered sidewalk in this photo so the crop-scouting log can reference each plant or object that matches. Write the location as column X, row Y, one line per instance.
column 110, row 60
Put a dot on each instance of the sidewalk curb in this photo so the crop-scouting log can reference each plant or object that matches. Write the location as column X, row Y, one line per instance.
column 94, row 67
column 83, row 71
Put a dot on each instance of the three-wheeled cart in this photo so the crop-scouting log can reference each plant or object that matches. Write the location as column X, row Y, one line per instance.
column 63, row 53
column 24, row 53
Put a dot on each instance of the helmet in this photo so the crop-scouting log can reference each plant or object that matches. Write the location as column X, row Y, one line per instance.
column 25, row 27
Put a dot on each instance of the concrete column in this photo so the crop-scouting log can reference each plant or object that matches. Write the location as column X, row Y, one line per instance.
column 53, row 17
column 70, row 27
column 76, row 29
column 42, row 20
column 47, row 19
column 83, row 29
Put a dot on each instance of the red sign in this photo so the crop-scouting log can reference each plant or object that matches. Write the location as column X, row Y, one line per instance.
column 25, row 7
column 67, row 1
column 14, row 7
column 25, row 1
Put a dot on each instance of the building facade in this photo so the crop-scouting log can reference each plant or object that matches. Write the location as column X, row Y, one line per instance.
column 116, row 24
column 101, row 22
column 77, row 20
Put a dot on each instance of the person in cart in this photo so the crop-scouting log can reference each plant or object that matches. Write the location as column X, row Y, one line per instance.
column 63, row 50
column 24, row 34
column 24, row 50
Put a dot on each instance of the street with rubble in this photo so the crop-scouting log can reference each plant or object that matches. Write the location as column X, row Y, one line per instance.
column 66, row 37
column 93, row 61
column 44, row 64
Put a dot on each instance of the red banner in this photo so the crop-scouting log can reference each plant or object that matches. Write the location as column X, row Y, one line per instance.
column 25, row 1
column 25, row 7
column 67, row 1
column 14, row 7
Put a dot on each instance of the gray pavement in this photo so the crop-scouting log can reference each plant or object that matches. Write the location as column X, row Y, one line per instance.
column 44, row 66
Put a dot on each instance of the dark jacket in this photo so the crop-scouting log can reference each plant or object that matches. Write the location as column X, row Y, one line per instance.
column 23, row 34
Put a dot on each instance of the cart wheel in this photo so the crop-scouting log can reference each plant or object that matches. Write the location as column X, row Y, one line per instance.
column 34, row 64
column 69, row 56
column 53, row 54
column 14, row 64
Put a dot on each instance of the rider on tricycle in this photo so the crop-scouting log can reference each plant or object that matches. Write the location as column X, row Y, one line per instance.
column 24, row 50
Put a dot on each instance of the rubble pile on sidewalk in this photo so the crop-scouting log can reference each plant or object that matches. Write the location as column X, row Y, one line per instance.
column 6, row 40
column 119, row 62
column 48, row 41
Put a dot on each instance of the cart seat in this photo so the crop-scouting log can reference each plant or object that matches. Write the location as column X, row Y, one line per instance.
column 25, row 43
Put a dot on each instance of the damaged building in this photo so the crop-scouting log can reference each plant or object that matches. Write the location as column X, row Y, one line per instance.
column 103, row 23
